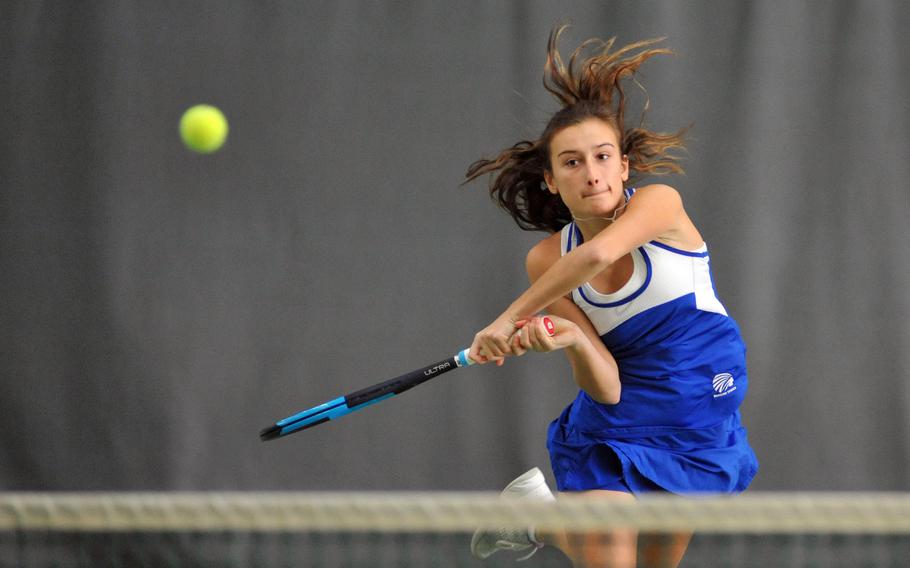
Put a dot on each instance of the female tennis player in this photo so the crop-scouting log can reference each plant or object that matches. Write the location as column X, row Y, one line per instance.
column 625, row 278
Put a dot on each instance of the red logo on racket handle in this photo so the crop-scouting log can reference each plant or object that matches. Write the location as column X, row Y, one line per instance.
column 551, row 329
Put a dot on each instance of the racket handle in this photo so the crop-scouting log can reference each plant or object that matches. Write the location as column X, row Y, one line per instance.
column 462, row 359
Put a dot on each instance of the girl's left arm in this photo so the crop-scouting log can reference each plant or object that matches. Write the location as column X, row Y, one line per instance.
column 655, row 211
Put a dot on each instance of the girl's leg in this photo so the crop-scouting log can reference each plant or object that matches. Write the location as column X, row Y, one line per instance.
column 619, row 549
column 662, row 550
column 616, row 549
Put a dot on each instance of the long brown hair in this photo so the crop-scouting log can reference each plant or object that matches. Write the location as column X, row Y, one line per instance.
column 593, row 87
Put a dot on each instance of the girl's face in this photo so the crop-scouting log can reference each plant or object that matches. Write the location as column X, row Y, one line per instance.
column 588, row 168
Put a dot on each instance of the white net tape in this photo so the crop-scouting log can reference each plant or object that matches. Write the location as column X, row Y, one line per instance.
column 757, row 513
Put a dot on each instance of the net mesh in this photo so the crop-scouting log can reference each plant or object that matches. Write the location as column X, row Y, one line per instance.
column 434, row 529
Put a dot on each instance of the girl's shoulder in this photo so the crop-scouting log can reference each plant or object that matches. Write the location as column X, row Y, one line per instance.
column 656, row 191
column 683, row 233
column 650, row 203
column 543, row 255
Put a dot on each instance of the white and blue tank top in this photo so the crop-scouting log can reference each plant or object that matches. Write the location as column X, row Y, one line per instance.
column 681, row 358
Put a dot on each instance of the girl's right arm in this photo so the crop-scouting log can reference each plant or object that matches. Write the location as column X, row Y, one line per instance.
column 593, row 366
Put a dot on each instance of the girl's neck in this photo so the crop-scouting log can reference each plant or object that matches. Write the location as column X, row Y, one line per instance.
column 591, row 226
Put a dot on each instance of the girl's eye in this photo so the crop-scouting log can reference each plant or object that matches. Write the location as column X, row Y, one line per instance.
column 603, row 156
column 572, row 163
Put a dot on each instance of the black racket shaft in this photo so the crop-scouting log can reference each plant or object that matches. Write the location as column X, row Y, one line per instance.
column 341, row 406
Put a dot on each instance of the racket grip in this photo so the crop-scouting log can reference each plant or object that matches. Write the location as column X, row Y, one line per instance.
column 462, row 359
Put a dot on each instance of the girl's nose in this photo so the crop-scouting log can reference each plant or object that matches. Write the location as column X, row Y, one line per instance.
column 593, row 176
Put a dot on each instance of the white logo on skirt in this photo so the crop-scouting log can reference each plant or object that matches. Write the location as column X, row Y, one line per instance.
column 723, row 384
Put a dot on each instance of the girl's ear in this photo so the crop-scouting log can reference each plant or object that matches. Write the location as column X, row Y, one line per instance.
column 548, row 179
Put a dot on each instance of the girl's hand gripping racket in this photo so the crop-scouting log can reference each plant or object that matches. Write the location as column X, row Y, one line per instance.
column 336, row 408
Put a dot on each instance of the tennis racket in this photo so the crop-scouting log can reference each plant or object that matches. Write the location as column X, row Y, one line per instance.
column 336, row 408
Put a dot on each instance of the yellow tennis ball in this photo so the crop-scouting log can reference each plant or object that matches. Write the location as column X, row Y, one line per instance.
column 203, row 128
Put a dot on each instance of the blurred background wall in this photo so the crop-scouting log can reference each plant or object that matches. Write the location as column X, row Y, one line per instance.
column 158, row 307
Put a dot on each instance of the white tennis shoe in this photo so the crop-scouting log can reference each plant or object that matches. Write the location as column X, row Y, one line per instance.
column 529, row 485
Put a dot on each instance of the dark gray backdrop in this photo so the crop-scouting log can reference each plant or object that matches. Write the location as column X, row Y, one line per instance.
column 160, row 307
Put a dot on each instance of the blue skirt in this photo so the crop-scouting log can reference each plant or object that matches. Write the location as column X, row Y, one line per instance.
column 678, row 460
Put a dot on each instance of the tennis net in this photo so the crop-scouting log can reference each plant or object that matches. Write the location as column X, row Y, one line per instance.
column 433, row 529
